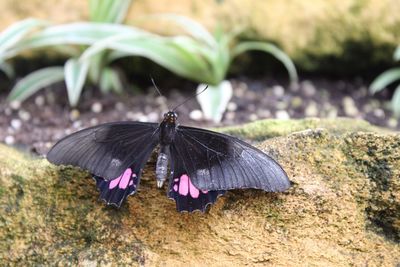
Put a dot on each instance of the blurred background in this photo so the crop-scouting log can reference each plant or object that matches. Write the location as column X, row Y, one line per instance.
column 66, row 65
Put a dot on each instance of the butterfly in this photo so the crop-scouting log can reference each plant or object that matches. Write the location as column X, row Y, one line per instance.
column 200, row 164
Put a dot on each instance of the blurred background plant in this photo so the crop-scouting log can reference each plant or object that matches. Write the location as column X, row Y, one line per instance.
column 199, row 56
column 73, row 39
column 386, row 78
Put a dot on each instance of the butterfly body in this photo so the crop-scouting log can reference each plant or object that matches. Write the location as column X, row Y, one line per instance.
column 200, row 165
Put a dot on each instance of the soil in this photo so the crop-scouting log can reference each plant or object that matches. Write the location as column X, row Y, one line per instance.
column 38, row 122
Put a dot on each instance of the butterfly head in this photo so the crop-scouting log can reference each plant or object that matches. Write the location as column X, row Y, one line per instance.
column 170, row 117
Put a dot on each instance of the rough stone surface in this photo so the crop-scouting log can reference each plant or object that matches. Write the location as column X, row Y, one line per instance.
column 316, row 34
column 343, row 209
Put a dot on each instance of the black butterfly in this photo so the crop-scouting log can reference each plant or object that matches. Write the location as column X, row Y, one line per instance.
column 203, row 164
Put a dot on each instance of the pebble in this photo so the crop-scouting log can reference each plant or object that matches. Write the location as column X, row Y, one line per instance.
column 16, row 124
column 94, row 121
column 332, row 113
column 77, row 124
column 392, row 122
column 119, row 106
column 350, row 108
column 97, row 107
column 253, row 117
column 296, row 102
column 281, row 105
column 380, row 113
column 308, row 88
column 130, row 115
column 15, row 105
column 9, row 140
column 74, row 114
column 153, row 116
column 24, row 115
column 282, row 115
column 278, row 91
column 230, row 115
column 232, row 106
column 143, row 118
column 8, row 111
column 311, row 110
column 196, row 115
column 39, row 101
column 264, row 113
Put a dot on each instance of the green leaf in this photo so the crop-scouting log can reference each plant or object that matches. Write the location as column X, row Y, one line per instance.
column 167, row 52
column 35, row 81
column 273, row 50
column 17, row 31
column 396, row 102
column 384, row 79
column 192, row 27
column 396, row 54
column 75, row 77
column 111, row 11
column 214, row 100
column 83, row 33
column 7, row 69
column 110, row 80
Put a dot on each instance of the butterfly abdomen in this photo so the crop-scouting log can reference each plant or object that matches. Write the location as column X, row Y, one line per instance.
column 161, row 168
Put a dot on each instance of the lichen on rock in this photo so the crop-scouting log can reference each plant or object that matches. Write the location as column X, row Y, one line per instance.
column 343, row 209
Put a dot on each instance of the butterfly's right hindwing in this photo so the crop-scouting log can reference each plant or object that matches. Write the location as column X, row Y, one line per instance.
column 109, row 149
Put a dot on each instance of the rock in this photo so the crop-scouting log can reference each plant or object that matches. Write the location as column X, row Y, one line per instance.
column 282, row 115
column 311, row 109
column 343, row 208
column 331, row 32
column 349, row 107
column 96, row 107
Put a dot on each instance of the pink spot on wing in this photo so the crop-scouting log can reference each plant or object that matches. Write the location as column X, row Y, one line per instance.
column 175, row 187
column 176, row 179
column 130, row 182
column 125, row 178
column 204, row 192
column 194, row 192
column 114, row 182
column 184, row 185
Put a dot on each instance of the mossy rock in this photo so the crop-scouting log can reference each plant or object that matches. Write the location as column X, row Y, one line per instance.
column 343, row 209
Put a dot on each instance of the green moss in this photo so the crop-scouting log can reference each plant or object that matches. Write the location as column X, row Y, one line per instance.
column 343, row 208
column 260, row 130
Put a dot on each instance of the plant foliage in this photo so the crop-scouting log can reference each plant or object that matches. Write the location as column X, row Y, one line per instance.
column 386, row 78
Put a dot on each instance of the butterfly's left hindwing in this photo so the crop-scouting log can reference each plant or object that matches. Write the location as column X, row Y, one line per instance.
column 215, row 161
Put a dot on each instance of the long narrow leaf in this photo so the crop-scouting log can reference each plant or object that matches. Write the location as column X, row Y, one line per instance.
column 110, row 80
column 75, row 77
column 396, row 54
column 163, row 51
column 111, row 11
column 7, row 69
column 396, row 101
column 384, row 79
column 192, row 27
column 17, row 31
column 273, row 50
column 83, row 33
column 35, row 81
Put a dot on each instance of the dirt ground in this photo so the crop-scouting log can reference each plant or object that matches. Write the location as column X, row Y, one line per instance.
column 38, row 122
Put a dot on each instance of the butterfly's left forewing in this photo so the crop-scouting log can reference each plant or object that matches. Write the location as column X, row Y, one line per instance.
column 215, row 161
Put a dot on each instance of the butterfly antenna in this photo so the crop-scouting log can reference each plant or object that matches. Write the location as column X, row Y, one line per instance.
column 187, row 99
